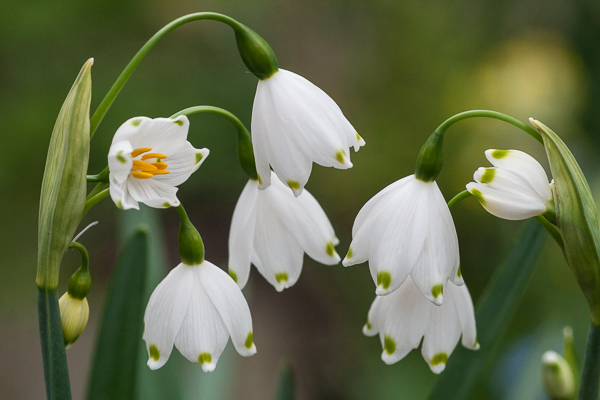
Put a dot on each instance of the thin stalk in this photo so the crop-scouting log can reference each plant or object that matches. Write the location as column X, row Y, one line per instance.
column 590, row 376
column 95, row 199
column 456, row 199
column 135, row 61
column 490, row 114
column 214, row 110
column 552, row 230
column 101, row 177
column 97, row 189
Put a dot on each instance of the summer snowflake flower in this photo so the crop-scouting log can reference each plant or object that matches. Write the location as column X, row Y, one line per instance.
column 517, row 188
column 272, row 229
column 197, row 308
column 294, row 123
column 148, row 158
column 406, row 229
column 404, row 317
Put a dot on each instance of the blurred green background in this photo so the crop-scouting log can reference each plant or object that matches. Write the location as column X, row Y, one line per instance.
column 397, row 69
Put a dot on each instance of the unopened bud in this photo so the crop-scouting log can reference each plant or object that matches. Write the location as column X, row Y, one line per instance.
column 74, row 314
column 557, row 377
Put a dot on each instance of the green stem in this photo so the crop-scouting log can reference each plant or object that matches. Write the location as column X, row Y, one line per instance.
column 245, row 151
column 462, row 195
column 95, row 199
column 101, row 177
column 56, row 371
column 590, row 376
column 85, row 258
column 551, row 230
column 135, row 61
column 97, row 189
column 490, row 114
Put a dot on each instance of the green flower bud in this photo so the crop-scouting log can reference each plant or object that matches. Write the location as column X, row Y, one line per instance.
column 246, row 154
column 255, row 52
column 64, row 185
column 431, row 158
column 191, row 248
column 557, row 377
column 74, row 314
column 576, row 217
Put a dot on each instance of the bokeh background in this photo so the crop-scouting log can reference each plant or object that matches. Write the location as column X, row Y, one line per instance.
column 397, row 69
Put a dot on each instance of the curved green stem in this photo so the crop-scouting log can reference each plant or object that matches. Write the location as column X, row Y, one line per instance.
column 95, row 199
column 588, row 389
column 245, row 151
column 552, row 230
column 135, row 61
column 101, row 177
column 490, row 114
column 85, row 258
column 456, row 199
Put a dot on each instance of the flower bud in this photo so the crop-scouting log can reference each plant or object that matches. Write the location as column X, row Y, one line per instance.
column 255, row 52
column 557, row 377
column 74, row 314
column 576, row 217
column 62, row 199
column 431, row 158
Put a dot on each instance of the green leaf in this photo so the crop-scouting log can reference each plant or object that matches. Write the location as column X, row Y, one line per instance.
column 576, row 217
column 114, row 371
column 493, row 314
column 287, row 384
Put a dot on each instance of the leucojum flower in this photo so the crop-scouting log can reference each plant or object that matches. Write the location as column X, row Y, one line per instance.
column 148, row 159
column 516, row 188
column 294, row 123
column 407, row 230
column 272, row 229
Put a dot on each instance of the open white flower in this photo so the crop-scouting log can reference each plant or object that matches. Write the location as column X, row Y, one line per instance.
column 406, row 229
column 404, row 317
column 295, row 123
column 197, row 308
column 148, row 158
column 272, row 229
column 517, row 188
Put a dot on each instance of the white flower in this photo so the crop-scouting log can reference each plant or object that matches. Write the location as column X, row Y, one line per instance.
column 295, row 123
column 406, row 229
column 404, row 317
column 272, row 229
column 517, row 188
column 74, row 315
column 197, row 308
column 148, row 158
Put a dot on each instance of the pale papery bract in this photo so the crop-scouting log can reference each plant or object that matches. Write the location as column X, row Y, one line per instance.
column 294, row 123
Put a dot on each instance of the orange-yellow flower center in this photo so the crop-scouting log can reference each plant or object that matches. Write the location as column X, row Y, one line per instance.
column 149, row 165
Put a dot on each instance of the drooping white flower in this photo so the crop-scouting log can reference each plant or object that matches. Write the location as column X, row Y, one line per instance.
column 404, row 317
column 294, row 123
column 74, row 315
column 272, row 229
column 197, row 308
column 517, row 188
column 148, row 158
column 406, row 229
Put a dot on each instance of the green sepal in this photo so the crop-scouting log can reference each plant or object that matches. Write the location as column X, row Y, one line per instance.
column 191, row 247
column 431, row 158
column 255, row 52
column 63, row 193
column 576, row 217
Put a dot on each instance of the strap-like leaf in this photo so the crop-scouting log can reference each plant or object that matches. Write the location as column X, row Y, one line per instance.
column 114, row 371
column 493, row 314
column 287, row 384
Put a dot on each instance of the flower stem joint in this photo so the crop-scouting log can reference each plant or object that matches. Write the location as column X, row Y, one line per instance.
column 431, row 158
column 191, row 247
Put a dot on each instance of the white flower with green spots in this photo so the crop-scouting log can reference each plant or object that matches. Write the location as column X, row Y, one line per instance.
column 148, row 159
column 197, row 308
column 516, row 188
column 294, row 123
column 404, row 317
column 272, row 229
column 407, row 230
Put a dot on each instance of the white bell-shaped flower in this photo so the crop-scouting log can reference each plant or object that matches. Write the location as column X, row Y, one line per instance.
column 406, row 229
column 294, row 123
column 272, row 229
column 404, row 317
column 517, row 188
column 148, row 158
column 197, row 308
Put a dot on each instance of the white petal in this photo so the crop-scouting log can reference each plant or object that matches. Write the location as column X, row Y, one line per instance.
column 460, row 297
column 231, row 304
column 119, row 160
column 121, row 196
column 506, row 205
column 163, row 135
column 165, row 313
column 182, row 164
column 371, row 328
column 152, row 192
column 203, row 335
column 130, row 129
column 241, row 234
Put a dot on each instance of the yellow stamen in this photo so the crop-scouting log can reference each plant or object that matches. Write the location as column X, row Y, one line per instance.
column 143, row 166
column 160, row 172
column 139, row 151
column 141, row 175
column 160, row 165
column 153, row 155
